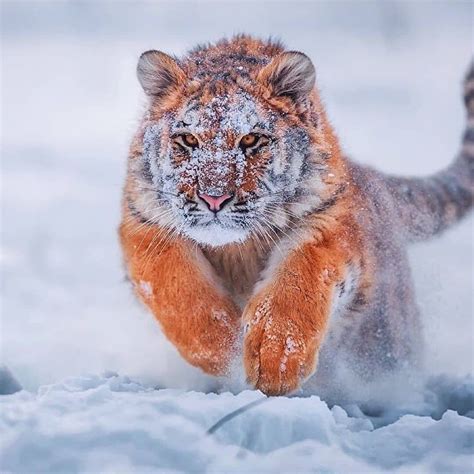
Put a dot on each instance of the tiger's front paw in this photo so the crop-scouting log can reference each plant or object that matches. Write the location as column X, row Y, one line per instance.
column 279, row 351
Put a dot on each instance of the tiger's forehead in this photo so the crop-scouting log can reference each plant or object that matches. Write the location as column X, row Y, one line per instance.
column 231, row 113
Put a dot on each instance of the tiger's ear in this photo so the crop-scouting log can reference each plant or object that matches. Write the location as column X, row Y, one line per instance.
column 290, row 74
column 158, row 73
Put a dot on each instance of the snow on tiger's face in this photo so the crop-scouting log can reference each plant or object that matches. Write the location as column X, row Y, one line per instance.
column 225, row 167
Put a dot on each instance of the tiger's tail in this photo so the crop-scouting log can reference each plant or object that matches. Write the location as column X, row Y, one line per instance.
column 428, row 206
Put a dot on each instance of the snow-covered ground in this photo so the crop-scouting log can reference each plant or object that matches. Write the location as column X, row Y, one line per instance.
column 390, row 74
column 112, row 424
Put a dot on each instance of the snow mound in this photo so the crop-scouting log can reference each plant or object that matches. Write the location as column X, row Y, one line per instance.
column 110, row 423
column 8, row 383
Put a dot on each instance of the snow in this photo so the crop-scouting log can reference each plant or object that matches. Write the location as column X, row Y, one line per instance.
column 392, row 90
column 8, row 383
column 110, row 423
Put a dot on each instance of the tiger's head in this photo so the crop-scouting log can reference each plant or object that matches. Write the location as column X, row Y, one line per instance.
column 234, row 142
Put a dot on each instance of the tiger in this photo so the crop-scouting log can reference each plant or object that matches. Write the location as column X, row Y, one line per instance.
column 254, row 240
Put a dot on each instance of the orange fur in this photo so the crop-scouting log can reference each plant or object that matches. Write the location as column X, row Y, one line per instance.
column 184, row 296
column 286, row 278
column 177, row 285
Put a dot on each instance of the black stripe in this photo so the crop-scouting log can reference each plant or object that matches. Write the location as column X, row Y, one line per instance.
column 359, row 301
column 135, row 212
column 468, row 97
column 470, row 74
column 325, row 205
column 469, row 134
column 341, row 287
column 146, row 170
column 438, row 204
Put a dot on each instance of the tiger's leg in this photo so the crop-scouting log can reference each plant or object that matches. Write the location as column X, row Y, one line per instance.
column 178, row 285
column 286, row 320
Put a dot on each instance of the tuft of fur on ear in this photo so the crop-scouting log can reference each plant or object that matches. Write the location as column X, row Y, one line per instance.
column 290, row 74
column 158, row 73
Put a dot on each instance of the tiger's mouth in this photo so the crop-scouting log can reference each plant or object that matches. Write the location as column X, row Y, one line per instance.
column 219, row 220
column 216, row 233
column 226, row 221
column 226, row 210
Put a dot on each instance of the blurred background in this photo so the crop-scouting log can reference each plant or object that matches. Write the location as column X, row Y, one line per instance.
column 390, row 74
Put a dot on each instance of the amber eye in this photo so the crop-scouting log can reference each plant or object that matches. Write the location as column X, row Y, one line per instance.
column 186, row 140
column 249, row 140
column 190, row 140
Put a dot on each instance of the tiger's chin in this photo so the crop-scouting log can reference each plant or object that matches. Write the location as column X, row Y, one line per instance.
column 216, row 235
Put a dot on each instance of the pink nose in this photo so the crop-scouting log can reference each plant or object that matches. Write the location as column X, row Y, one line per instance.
column 215, row 203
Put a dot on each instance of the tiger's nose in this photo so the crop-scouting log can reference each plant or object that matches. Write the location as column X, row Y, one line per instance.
column 215, row 203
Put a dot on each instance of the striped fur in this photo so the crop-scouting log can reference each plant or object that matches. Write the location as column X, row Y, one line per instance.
column 426, row 207
column 306, row 266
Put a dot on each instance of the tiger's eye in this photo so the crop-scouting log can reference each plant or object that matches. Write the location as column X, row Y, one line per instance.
column 249, row 140
column 190, row 140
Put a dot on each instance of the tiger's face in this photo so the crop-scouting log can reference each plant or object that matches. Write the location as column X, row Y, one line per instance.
column 221, row 167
